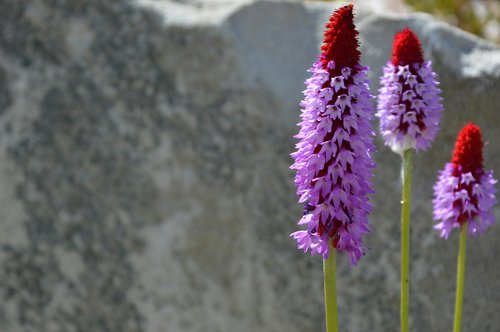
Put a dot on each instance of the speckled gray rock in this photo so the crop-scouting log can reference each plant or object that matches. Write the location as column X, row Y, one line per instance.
column 144, row 181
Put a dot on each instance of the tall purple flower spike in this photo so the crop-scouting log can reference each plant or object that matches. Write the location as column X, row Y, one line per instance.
column 409, row 106
column 465, row 192
column 333, row 160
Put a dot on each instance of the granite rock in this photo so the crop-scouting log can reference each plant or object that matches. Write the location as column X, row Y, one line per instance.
column 144, row 150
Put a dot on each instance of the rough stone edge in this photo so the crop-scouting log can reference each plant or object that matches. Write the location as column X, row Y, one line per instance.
column 440, row 37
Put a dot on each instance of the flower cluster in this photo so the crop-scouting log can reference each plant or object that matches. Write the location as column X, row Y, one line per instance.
column 333, row 160
column 409, row 106
column 465, row 192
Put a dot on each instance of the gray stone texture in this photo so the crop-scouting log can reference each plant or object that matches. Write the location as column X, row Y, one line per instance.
column 144, row 154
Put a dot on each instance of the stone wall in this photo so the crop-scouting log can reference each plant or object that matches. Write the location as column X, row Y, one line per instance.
column 144, row 180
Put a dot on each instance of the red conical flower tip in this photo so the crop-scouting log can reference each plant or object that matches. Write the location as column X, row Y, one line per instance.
column 341, row 39
column 468, row 151
column 406, row 48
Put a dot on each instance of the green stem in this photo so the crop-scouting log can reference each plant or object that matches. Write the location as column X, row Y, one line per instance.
column 329, row 276
column 405, row 238
column 460, row 278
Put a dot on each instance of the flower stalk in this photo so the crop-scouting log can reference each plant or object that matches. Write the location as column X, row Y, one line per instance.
column 460, row 279
column 330, row 290
column 405, row 238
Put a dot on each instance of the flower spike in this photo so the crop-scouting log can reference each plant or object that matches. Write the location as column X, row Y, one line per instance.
column 409, row 106
column 465, row 192
column 333, row 161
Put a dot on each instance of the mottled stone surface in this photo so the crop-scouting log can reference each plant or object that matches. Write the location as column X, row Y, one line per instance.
column 144, row 152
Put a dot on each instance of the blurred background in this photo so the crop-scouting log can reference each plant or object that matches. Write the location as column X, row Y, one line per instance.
column 144, row 167
column 480, row 17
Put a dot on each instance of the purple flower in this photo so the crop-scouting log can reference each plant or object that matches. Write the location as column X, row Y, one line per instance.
column 464, row 192
column 333, row 160
column 409, row 106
